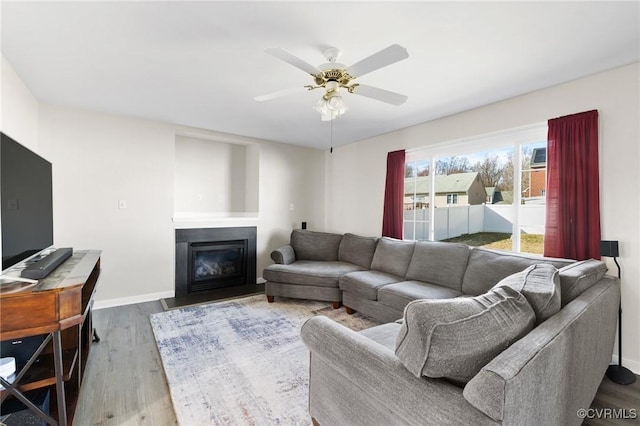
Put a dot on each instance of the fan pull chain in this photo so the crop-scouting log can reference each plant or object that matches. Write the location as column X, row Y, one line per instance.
column 331, row 150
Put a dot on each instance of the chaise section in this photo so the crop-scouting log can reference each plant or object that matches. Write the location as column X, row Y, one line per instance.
column 306, row 272
column 311, row 265
column 305, row 279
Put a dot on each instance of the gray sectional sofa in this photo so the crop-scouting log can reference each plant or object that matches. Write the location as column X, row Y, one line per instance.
column 380, row 276
column 481, row 337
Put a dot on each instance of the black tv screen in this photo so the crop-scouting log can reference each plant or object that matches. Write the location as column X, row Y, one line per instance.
column 27, row 206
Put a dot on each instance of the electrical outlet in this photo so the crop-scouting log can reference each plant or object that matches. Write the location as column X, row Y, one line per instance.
column 122, row 204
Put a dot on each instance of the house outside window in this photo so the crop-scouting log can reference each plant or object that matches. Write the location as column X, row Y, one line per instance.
column 481, row 185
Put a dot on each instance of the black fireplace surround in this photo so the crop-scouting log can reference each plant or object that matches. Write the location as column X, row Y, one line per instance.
column 213, row 263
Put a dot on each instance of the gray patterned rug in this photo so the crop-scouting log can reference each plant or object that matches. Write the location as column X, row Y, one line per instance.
column 241, row 362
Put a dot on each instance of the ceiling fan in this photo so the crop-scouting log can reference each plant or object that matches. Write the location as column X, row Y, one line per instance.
column 332, row 76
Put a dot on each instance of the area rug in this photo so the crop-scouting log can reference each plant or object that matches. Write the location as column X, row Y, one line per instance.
column 241, row 362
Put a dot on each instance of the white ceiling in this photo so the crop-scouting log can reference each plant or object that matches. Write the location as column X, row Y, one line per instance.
column 200, row 64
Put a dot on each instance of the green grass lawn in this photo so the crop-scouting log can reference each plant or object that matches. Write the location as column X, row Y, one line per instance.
column 529, row 243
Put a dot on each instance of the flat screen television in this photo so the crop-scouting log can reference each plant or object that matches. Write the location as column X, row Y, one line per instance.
column 26, row 213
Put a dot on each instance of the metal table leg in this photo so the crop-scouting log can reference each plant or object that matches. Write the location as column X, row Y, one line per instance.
column 60, row 395
column 12, row 388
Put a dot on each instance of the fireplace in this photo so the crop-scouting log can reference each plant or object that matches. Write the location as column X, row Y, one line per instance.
column 215, row 262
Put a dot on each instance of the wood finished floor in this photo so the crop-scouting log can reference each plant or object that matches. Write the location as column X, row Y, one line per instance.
column 124, row 383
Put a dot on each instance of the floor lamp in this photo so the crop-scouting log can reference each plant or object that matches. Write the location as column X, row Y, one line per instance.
column 617, row 373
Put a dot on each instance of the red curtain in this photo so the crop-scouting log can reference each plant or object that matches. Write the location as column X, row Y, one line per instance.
column 394, row 196
column 572, row 227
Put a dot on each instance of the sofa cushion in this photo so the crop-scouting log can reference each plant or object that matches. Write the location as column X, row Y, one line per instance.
column 392, row 256
column 540, row 284
column 487, row 267
column 439, row 263
column 312, row 245
column 365, row 284
column 384, row 334
column 398, row 295
column 579, row 276
column 309, row 272
column 357, row 250
column 455, row 338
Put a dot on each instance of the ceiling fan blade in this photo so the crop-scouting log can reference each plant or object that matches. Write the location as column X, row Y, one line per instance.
column 279, row 94
column 293, row 60
column 380, row 94
column 388, row 56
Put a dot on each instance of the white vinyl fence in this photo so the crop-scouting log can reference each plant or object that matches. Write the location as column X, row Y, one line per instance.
column 454, row 221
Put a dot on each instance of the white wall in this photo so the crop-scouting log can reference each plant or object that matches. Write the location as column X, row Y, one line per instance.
column 210, row 176
column 18, row 108
column 356, row 172
column 100, row 159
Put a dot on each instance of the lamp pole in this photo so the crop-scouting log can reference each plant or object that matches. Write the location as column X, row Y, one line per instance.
column 618, row 373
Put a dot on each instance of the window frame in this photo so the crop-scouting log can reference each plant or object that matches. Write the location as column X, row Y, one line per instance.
column 514, row 138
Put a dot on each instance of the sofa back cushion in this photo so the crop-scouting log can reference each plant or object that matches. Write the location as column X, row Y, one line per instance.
column 357, row 250
column 439, row 263
column 487, row 267
column 392, row 256
column 455, row 338
column 579, row 276
column 540, row 284
column 312, row 245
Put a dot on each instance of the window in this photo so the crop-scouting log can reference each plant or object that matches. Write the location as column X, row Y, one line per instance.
column 487, row 191
column 416, row 199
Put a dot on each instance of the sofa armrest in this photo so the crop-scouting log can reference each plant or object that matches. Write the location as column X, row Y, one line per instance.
column 284, row 255
column 355, row 380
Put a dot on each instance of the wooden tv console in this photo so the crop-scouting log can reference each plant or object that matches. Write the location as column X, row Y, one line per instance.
column 58, row 307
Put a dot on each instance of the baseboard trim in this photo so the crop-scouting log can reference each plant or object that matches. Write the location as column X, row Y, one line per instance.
column 632, row 365
column 150, row 297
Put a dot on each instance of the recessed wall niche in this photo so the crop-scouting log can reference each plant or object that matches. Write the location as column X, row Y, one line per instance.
column 214, row 178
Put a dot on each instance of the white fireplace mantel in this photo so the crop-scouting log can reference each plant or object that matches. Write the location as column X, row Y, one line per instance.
column 187, row 220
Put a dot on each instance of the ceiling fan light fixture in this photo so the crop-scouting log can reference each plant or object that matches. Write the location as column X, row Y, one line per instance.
column 334, row 101
column 331, row 104
column 327, row 113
